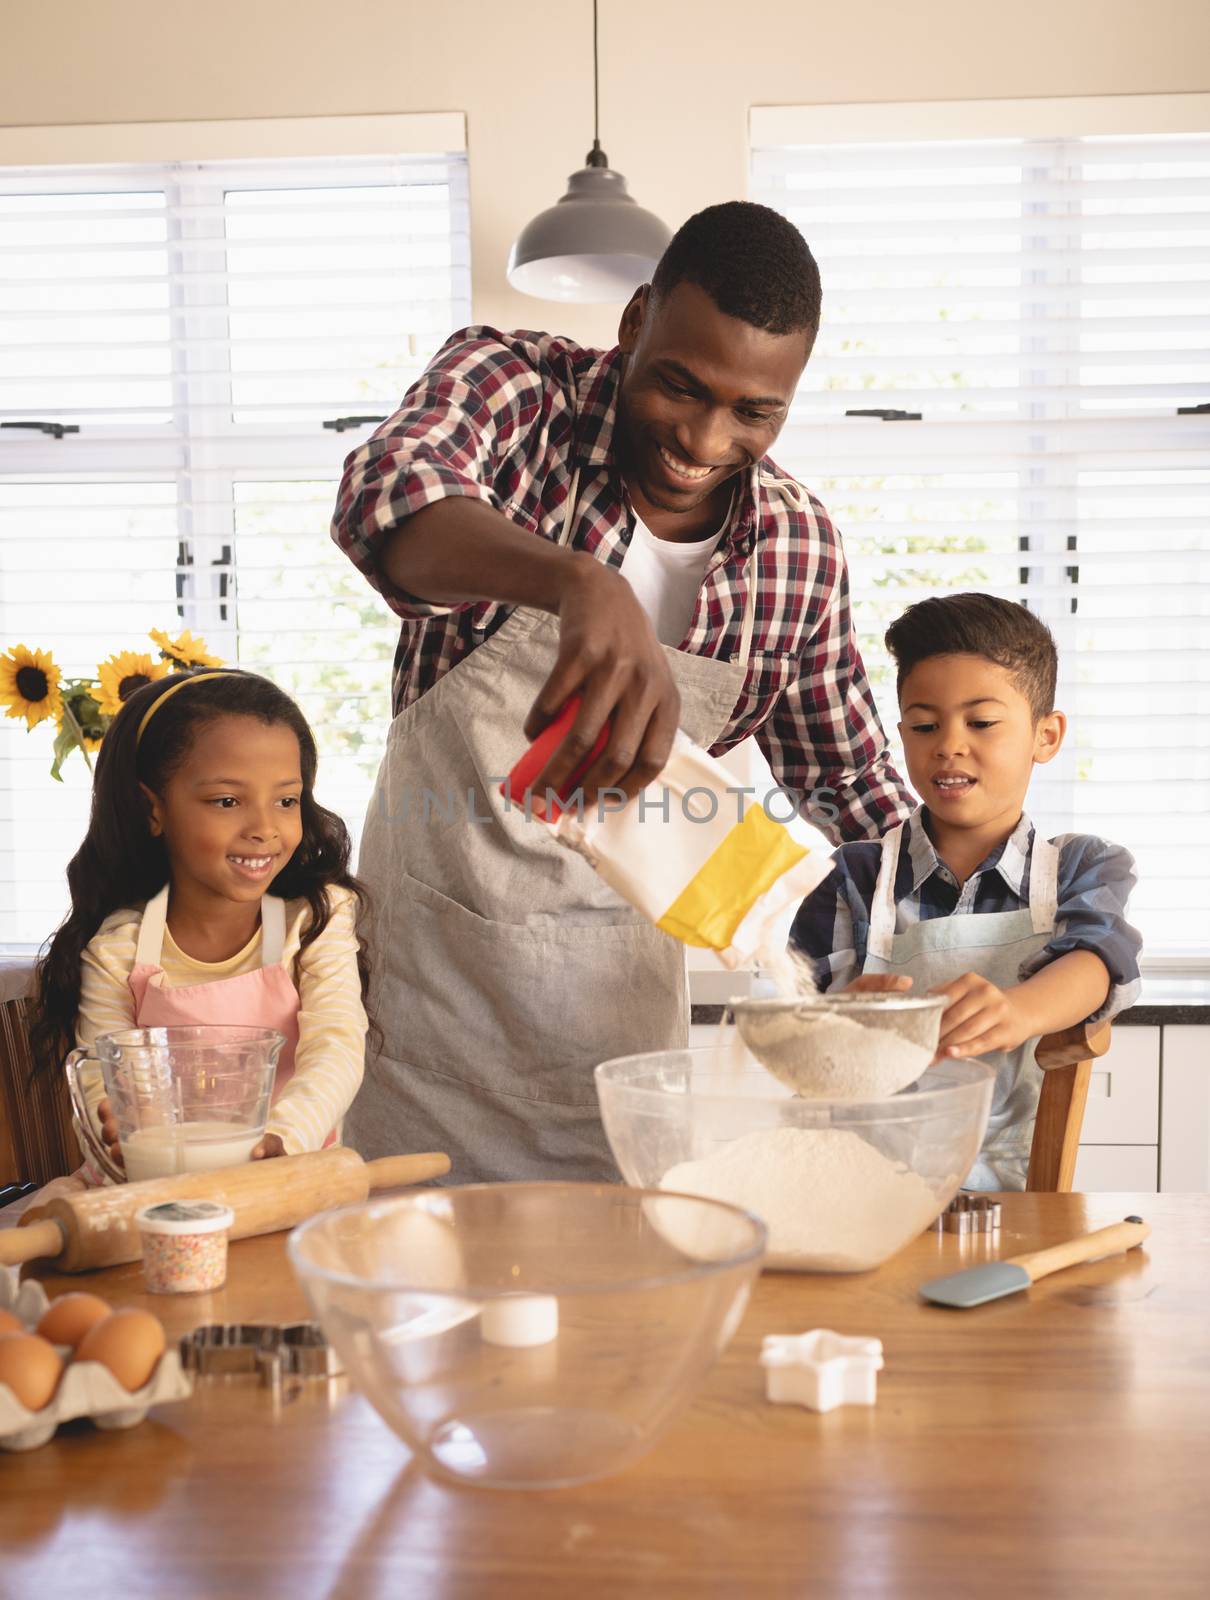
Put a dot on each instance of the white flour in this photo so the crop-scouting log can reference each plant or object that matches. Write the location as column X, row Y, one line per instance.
column 824, row 1055
column 830, row 1200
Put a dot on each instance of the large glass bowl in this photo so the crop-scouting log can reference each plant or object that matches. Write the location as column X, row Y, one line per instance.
column 841, row 1184
column 531, row 1334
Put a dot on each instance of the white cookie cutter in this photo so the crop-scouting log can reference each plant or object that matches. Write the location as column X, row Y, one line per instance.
column 821, row 1369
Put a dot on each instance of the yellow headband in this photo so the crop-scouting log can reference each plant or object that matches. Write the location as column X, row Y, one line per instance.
column 196, row 677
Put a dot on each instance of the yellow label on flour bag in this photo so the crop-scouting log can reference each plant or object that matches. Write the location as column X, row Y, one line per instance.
column 700, row 856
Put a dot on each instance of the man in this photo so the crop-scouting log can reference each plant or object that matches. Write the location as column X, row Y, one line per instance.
column 550, row 521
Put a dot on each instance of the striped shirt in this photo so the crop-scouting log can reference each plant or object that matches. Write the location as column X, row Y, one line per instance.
column 330, row 1056
column 1094, row 883
column 507, row 418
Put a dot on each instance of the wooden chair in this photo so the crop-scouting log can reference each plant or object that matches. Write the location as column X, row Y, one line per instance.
column 36, row 1138
column 1066, row 1059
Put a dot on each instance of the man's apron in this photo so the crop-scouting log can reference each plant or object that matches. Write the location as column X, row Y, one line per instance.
column 504, row 968
column 993, row 944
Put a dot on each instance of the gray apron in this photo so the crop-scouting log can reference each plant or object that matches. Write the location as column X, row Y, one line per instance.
column 993, row 944
column 504, row 968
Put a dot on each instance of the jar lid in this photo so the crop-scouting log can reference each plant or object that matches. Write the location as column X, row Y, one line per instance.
column 184, row 1216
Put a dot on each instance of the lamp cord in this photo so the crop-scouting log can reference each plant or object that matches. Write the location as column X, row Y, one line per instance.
column 596, row 157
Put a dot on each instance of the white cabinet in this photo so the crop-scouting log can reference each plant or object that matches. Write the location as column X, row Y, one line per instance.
column 1119, row 1143
column 1185, row 1118
column 1102, row 1167
column 1124, row 1091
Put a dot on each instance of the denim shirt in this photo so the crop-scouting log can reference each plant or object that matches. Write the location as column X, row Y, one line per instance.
column 1095, row 880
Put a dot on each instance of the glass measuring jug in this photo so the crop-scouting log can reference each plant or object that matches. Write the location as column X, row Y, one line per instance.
column 185, row 1098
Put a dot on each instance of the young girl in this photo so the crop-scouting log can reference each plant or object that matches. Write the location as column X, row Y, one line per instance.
column 212, row 887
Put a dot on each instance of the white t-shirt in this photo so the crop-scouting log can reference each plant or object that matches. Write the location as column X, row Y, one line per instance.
column 666, row 577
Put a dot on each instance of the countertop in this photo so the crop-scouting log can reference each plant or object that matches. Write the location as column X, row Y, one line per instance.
column 1166, row 1001
column 1050, row 1444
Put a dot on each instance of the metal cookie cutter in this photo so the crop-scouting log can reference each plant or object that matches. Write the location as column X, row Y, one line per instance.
column 272, row 1351
column 969, row 1213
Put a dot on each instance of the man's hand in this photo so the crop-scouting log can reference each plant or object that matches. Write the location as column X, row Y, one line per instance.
column 878, row 983
column 462, row 549
column 610, row 656
column 268, row 1147
column 109, row 1132
column 979, row 1017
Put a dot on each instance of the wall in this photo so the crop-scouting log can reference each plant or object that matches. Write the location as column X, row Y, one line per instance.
column 677, row 80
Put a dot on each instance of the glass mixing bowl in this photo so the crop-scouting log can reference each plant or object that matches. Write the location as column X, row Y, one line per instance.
column 840, row 1184
column 529, row 1335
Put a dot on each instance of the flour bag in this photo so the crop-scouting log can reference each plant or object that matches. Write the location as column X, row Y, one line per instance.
column 693, row 851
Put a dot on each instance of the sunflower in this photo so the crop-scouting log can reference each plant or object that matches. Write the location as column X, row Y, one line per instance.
column 185, row 651
column 122, row 675
column 29, row 685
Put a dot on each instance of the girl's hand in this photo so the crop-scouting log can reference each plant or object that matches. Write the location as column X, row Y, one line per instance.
column 980, row 1017
column 878, row 983
column 269, row 1146
column 109, row 1132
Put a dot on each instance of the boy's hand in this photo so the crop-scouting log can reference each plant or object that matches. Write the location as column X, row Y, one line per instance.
column 109, row 1131
column 980, row 1017
column 269, row 1147
column 878, row 983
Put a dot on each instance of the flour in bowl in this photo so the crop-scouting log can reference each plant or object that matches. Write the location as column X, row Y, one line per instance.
column 830, row 1200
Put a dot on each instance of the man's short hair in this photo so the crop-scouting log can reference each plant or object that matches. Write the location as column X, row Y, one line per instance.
column 1002, row 631
column 752, row 263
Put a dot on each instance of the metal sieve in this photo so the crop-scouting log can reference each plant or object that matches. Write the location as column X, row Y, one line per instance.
column 814, row 1045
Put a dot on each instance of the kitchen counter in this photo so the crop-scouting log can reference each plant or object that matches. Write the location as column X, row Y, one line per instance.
column 1166, row 1001
column 1054, row 1443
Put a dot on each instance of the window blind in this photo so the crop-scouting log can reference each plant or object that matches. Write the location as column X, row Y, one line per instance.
column 1032, row 317
column 214, row 330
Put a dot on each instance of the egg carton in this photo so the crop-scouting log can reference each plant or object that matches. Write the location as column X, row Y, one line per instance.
column 86, row 1389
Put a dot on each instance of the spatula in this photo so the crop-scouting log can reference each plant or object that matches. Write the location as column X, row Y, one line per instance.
column 994, row 1279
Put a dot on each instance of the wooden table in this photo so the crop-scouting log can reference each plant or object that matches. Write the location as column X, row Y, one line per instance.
column 1056, row 1443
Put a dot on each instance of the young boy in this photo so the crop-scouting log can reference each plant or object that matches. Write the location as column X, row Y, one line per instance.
column 1024, row 935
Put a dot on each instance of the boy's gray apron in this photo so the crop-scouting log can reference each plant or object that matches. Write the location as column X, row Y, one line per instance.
column 993, row 944
column 504, row 968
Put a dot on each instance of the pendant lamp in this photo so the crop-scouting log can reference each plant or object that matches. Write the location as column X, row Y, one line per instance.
column 596, row 244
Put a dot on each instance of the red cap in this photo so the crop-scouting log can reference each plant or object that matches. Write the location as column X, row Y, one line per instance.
column 521, row 778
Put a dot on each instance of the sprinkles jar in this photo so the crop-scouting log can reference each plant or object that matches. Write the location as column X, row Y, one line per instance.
column 184, row 1245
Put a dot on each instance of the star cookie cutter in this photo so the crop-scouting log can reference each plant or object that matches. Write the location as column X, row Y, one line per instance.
column 821, row 1369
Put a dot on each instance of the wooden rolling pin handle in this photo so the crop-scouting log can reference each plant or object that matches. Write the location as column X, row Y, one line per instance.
column 397, row 1172
column 38, row 1240
column 1088, row 1247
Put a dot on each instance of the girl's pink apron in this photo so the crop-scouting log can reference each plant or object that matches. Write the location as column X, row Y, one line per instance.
column 266, row 998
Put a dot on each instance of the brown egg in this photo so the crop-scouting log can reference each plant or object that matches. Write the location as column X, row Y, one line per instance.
column 10, row 1324
column 128, row 1342
column 67, row 1319
column 31, row 1368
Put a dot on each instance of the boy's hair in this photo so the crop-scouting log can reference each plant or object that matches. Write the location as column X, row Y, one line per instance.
column 121, row 864
column 752, row 263
column 1002, row 631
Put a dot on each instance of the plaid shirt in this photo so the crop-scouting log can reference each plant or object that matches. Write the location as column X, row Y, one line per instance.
column 507, row 418
column 1094, row 882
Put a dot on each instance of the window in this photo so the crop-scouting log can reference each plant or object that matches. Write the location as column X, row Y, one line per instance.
column 1025, row 324
column 218, row 332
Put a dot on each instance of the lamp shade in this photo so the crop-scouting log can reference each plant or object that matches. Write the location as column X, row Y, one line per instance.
column 594, row 246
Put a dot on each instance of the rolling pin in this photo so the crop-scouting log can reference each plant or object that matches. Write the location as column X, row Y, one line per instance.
column 83, row 1232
